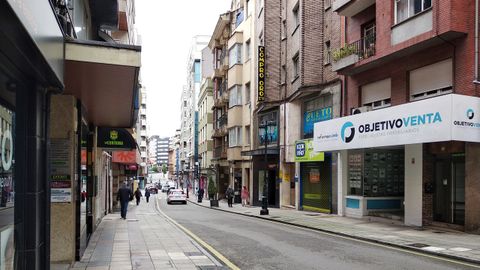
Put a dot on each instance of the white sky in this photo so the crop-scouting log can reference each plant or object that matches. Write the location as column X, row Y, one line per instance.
column 167, row 28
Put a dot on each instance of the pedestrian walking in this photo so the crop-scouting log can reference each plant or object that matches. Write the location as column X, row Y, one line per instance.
column 124, row 195
column 245, row 196
column 229, row 194
column 138, row 195
column 200, row 195
column 147, row 194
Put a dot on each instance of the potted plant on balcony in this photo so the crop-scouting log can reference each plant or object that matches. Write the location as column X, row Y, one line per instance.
column 212, row 192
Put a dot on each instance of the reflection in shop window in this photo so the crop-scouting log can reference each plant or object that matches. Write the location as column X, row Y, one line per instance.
column 7, row 185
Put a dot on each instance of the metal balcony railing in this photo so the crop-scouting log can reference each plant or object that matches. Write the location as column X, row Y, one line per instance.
column 363, row 48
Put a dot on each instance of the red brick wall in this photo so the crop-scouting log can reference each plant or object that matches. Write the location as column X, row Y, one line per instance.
column 271, row 33
column 312, row 39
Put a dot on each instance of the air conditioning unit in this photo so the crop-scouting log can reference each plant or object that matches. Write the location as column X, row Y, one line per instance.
column 361, row 110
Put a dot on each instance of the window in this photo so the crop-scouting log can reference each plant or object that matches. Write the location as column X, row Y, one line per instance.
column 296, row 66
column 432, row 80
column 247, row 93
column 239, row 17
column 296, row 17
column 197, row 71
column 377, row 94
column 405, row 9
column 327, row 53
column 247, row 50
column 235, row 55
column 328, row 4
column 235, row 96
column 235, row 136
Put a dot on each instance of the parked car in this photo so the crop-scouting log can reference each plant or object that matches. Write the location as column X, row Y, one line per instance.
column 176, row 195
column 165, row 187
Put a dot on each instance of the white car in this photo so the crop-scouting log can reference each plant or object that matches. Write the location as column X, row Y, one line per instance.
column 176, row 195
column 165, row 187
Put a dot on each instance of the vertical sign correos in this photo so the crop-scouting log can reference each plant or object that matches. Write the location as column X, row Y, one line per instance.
column 261, row 73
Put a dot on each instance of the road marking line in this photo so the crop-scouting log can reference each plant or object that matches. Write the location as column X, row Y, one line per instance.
column 405, row 250
column 217, row 254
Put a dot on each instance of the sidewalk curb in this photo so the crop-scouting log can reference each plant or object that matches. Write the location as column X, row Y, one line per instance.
column 431, row 253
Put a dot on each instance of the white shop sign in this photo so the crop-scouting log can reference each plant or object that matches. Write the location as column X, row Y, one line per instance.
column 446, row 118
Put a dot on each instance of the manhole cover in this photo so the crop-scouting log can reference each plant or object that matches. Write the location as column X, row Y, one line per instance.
column 418, row 245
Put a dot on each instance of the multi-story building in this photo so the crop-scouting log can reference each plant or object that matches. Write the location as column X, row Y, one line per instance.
column 73, row 97
column 159, row 146
column 218, row 45
column 189, row 117
column 310, row 93
column 205, row 116
column 407, row 143
column 142, row 136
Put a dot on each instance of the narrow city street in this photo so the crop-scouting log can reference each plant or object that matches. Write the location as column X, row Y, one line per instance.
column 258, row 244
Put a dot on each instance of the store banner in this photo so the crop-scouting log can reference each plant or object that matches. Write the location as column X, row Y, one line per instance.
column 304, row 152
column 115, row 139
column 445, row 118
column 261, row 73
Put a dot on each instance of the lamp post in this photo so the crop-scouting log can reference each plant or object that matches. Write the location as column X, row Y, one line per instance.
column 264, row 210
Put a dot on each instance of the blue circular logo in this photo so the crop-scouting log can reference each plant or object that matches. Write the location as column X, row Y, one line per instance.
column 470, row 114
column 349, row 138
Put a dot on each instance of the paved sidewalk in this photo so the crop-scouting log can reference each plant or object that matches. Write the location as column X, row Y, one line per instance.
column 146, row 240
column 454, row 245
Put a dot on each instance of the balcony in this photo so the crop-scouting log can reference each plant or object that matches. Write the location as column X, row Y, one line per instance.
column 349, row 8
column 354, row 52
column 220, row 152
column 220, row 127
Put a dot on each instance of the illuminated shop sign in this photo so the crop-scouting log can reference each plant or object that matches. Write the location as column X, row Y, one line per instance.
column 444, row 118
column 115, row 138
column 261, row 73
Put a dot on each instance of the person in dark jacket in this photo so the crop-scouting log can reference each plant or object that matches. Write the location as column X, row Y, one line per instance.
column 147, row 194
column 123, row 195
column 138, row 195
column 229, row 194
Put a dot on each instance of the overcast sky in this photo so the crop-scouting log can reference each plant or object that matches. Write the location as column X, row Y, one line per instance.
column 167, row 28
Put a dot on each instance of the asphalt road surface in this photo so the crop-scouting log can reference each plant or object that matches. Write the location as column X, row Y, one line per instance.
column 251, row 243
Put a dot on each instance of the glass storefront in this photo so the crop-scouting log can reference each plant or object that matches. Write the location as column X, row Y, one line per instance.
column 7, row 185
column 376, row 172
column 317, row 185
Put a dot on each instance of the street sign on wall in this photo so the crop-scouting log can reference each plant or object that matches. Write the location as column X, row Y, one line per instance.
column 446, row 118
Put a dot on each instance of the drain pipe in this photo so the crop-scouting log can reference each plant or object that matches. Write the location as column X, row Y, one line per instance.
column 476, row 81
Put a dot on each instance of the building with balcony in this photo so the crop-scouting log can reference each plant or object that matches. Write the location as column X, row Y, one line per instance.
column 407, row 60
column 218, row 47
column 205, row 122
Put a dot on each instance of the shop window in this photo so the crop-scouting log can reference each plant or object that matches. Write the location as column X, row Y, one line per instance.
column 316, row 110
column 405, row 9
column 376, row 172
column 432, row 80
column 7, row 185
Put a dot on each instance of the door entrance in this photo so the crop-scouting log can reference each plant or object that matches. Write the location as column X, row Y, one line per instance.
column 449, row 197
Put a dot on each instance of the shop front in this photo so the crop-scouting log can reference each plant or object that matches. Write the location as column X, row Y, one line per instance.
column 31, row 70
column 412, row 162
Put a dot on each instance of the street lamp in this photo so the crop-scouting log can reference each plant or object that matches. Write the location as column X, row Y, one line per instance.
column 265, row 127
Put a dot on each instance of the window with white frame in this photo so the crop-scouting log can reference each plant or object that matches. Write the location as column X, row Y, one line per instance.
column 235, row 96
column 378, row 94
column 247, row 50
column 432, row 80
column 235, row 55
column 405, row 9
column 235, row 137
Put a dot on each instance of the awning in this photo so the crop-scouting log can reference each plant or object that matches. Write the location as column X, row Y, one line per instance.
column 115, row 139
column 104, row 76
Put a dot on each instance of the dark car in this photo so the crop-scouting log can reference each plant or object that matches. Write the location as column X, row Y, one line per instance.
column 153, row 190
